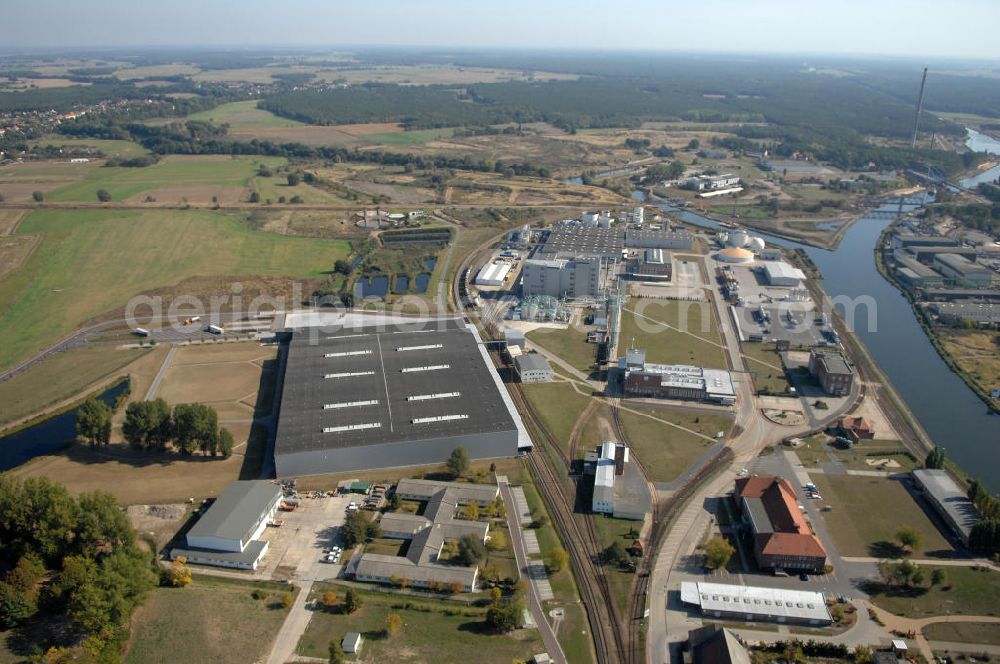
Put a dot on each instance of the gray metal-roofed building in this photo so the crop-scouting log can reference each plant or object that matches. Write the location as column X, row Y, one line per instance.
column 948, row 500
column 226, row 534
column 963, row 271
column 391, row 395
column 532, row 368
column 832, row 371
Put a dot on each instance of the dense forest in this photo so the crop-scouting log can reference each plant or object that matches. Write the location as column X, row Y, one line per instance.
column 70, row 571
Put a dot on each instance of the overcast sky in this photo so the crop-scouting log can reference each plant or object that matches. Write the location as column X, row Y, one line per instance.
column 961, row 28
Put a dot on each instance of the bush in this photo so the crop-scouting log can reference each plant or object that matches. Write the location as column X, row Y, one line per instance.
column 259, row 594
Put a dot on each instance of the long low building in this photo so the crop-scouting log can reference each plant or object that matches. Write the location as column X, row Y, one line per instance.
column 493, row 274
column 721, row 600
column 950, row 502
column 226, row 535
column 375, row 394
column 675, row 381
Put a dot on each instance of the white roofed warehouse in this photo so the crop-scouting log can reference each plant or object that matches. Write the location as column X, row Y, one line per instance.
column 721, row 600
column 376, row 395
column 226, row 534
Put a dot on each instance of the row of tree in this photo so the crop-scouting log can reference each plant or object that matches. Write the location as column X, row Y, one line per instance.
column 191, row 426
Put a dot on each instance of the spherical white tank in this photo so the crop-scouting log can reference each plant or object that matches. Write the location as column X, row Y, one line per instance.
column 757, row 243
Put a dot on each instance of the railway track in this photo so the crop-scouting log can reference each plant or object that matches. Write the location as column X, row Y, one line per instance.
column 578, row 535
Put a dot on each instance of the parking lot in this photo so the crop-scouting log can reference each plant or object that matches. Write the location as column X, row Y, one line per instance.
column 296, row 548
column 794, row 322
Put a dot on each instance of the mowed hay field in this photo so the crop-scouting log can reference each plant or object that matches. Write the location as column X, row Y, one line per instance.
column 173, row 180
column 19, row 181
column 228, row 377
column 93, row 261
column 211, row 620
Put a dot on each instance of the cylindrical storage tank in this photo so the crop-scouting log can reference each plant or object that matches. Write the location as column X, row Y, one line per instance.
column 739, row 239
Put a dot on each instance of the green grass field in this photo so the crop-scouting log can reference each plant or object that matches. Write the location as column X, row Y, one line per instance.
column 968, row 591
column 60, row 377
column 93, row 261
column 570, row 344
column 559, row 406
column 858, row 529
column 109, row 148
column 402, row 139
column 243, row 115
column 211, row 620
column 967, row 632
column 172, row 173
column 429, row 633
column 764, row 364
column 690, row 339
column 665, row 451
column 274, row 188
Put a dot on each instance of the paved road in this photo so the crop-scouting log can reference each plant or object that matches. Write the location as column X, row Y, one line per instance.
column 520, row 554
column 292, row 629
column 154, row 387
column 670, row 622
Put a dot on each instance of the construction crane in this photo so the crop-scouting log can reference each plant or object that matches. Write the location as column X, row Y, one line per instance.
column 920, row 106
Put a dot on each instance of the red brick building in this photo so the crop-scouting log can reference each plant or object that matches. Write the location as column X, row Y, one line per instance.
column 782, row 537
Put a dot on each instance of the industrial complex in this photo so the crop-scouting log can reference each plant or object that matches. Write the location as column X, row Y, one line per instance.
column 371, row 394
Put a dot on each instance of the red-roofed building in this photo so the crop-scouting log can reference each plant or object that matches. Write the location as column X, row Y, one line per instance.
column 855, row 429
column 782, row 537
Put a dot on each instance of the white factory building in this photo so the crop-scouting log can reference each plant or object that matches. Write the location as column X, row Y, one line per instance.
column 226, row 535
column 493, row 274
column 620, row 489
column 779, row 273
column 727, row 601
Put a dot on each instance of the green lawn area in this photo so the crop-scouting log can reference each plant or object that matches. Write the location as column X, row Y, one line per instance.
column 275, row 187
column 764, row 364
column 93, row 261
column 60, row 377
column 243, row 115
column 433, row 631
column 559, row 406
column 110, row 148
column 402, row 139
column 570, row 344
column 970, row 591
column 665, row 451
column 211, row 620
column 868, row 510
column 966, row 632
column 691, row 339
column 171, row 172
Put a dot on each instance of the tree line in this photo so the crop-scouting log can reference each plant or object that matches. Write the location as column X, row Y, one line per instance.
column 74, row 571
column 188, row 428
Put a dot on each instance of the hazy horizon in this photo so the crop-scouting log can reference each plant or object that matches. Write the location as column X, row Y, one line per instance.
column 964, row 30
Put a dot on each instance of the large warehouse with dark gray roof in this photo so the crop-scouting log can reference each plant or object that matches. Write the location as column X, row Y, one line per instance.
column 367, row 394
